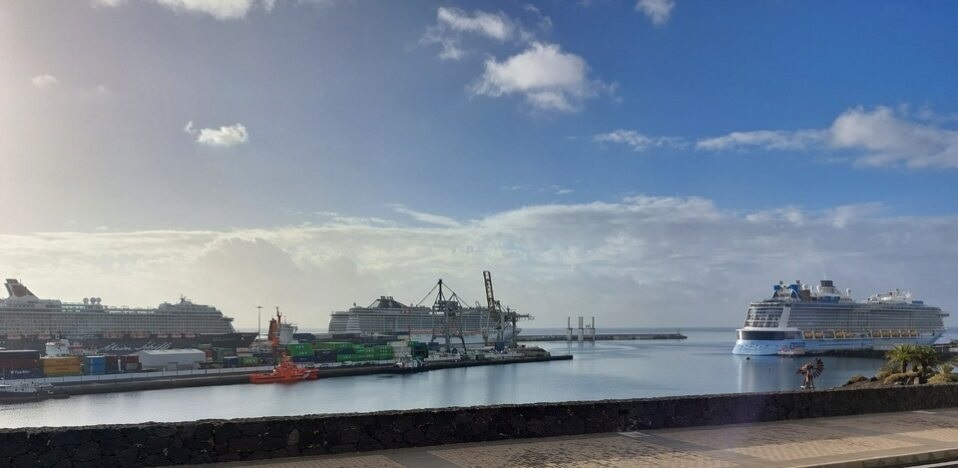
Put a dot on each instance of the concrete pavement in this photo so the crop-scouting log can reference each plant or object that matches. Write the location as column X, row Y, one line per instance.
column 888, row 439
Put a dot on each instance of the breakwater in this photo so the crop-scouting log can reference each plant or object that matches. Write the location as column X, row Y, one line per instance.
column 154, row 444
column 605, row 337
column 129, row 385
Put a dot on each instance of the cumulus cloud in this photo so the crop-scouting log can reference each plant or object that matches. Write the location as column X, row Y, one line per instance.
column 641, row 261
column 880, row 137
column 639, row 142
column 658, row 11
column 452, row 23
column 494, row 25
column 228, row 135
column 44, row 81
column 548, row 78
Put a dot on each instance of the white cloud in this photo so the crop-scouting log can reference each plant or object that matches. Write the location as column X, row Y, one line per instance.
column 879, row 137
column 564, row 191
column 768, row 139
column 452, row 23
column 658, row 11
column 548, row 78
column 889, row 140
column 638, row 141
column 227, row 135
column 220, row 9
column 44, row 81
column 494, row 25
column 642, row 261
column 427, row 218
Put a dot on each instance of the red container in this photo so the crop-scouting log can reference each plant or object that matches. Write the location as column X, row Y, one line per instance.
column 19, row 363
column 131, row 359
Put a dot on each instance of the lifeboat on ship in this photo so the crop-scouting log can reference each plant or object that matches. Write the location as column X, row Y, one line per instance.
column 285, row 372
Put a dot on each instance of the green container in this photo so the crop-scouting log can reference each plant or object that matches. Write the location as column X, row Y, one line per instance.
column 249, row 361
column 300, row 349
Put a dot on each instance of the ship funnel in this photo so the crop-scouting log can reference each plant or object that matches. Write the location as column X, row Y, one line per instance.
column 17, row 289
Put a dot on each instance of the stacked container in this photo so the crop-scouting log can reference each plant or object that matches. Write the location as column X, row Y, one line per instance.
column 130, row 363
column 61, row 366
column 300, row 352
column 20, row 364
column 94, row 365
column 112, row 364
column 231, row 361
column 324, row 355
column 247, row 361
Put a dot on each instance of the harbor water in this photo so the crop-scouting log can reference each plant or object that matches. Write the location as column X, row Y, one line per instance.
column 701, row 364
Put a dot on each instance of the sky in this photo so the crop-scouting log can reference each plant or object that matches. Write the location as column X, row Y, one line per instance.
column 656, row 163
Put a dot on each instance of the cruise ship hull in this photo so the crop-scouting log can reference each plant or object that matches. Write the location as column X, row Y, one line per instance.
column 792, row 347
column 128, row 345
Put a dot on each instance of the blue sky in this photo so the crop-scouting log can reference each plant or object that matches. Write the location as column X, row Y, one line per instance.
column 567, row 145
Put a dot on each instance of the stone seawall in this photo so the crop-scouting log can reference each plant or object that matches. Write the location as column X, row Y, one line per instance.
column 154, row 444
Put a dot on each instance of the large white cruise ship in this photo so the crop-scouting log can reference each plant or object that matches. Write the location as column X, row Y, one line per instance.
column 388, row 316
column 799, row 319
column 28, row 322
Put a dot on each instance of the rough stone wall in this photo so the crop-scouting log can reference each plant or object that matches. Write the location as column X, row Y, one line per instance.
column 195, row 442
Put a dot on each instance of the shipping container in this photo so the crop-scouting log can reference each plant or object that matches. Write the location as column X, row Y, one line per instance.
column 230, row 361
column 19, row 363
column 12, row 374
column 309, row 358
column 248, row 361
column 61, row 360
column 19, row 353
column 299, row 349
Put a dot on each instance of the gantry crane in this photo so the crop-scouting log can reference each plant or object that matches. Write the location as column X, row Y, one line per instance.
column 499, row 316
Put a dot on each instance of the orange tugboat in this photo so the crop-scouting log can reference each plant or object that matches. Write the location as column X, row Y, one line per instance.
column 286, row 371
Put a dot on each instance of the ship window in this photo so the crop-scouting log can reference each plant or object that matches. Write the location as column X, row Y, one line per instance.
column 767, row 335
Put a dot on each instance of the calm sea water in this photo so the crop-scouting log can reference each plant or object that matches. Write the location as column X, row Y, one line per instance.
column 623, row 369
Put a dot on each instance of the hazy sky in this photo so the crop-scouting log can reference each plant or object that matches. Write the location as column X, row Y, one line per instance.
column 652, row 163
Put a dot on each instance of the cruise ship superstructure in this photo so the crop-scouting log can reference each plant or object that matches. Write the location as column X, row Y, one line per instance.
column 800, row 319
column 386, row 315
column 28, row 322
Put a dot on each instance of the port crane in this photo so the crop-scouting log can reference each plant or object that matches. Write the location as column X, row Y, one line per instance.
column 499, row 315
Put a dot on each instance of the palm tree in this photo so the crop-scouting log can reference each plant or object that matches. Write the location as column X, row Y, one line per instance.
column 927, row 358
column 904, row 354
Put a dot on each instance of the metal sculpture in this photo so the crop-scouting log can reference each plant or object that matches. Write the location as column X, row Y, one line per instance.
column 811, row 371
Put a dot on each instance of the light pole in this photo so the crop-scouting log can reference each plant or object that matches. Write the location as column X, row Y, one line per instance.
column 259, row 328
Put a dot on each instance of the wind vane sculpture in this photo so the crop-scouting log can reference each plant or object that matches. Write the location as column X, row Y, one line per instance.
column 811, row 371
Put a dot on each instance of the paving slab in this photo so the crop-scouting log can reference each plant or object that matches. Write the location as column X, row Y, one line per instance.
column 874, row 440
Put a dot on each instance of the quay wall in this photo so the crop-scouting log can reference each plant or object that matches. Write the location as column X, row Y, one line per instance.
column 153, row 444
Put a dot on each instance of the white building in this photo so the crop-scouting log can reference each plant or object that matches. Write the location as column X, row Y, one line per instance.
column 171, row 359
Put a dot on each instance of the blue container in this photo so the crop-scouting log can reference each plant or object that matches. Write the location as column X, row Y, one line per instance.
column 231, row 361
column 12, row 374
column 302, row 358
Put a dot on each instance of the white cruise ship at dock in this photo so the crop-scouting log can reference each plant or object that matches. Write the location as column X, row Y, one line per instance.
column 800, row 319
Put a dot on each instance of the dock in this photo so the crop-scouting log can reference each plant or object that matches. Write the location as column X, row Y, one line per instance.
column 241, row 376
column 606, row 337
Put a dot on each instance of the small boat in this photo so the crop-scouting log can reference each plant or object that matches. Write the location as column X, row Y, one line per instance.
column 285, row 372
column 27, row 390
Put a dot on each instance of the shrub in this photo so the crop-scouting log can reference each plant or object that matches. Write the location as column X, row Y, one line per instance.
column 856, row 378
column 901, row 377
